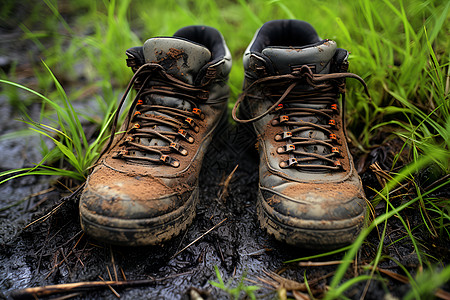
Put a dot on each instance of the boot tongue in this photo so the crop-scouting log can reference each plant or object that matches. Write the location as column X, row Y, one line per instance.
column 318, row 57
column 180, row 58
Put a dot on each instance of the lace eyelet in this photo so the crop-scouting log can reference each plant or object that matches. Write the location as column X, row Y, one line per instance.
column 279, row 107
column 169, row 161
column 198, row 113
column 185, row 135
column 332, row 123
column 334, row 108
column 286, row 148
column 337, row 151
column 284, row 119
column 288, row 163
column 333, row 138
column 120, row 154
column 338, row 164
column 280, row 120
column 192, row 124
column 283, row 136
column 178, row 148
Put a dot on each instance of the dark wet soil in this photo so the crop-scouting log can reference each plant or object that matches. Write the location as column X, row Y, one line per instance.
column 55, row 251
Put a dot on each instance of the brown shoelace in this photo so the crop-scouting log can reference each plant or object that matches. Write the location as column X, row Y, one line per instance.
column 322, row 89
column 152, row 79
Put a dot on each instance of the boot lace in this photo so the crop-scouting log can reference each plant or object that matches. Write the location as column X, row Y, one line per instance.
column 144, row 118
column 321, row 90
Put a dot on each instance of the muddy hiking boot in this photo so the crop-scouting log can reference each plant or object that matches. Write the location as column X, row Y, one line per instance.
column 310, row 194
column 144, row 188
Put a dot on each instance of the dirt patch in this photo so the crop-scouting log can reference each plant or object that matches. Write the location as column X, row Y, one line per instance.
column 175, row 53
column 136, row 185
column 336, row 190
column 170, row 59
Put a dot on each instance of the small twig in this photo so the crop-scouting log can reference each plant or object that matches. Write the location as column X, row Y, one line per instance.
column 113, row 263
column 437, row 182
column 259, row 284
column 182, row 239
column 70, row 253
column 381, row 175
column 66, row 187
column 403, row 186
column 55, row 265
column 275, row 281
column 257, row 252
column 272, row 283
column 27, row 198
column 53, row 236
column 71, row 287
column 288, row 284
column 73, row 249
column 321, row 264
column 39, row 194
column 45, row 217
column 65, row 260
column 109, row 273
column 200, row 237
column 72, row 238
column 226, row 183
column 123, row 274
column 109, row 286
column 64, row 200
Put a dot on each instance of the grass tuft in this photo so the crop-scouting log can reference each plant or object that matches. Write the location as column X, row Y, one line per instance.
column 71, row 145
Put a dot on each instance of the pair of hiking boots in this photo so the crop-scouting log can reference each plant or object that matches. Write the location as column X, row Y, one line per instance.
column 144, row 188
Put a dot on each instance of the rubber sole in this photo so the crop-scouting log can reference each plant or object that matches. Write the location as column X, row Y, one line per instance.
column 316, row 235
column 140, row 232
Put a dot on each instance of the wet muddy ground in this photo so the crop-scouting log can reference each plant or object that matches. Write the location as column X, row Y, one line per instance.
column 55, row 251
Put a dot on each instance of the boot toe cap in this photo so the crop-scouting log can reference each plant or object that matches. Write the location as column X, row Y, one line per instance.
column 126, row 209
column 324, row 206
column 313, row 215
